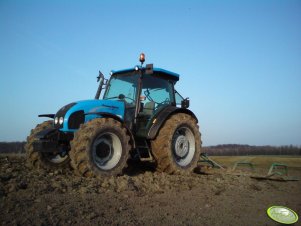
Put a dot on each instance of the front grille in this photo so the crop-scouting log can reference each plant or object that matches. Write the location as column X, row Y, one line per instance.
column 76, row 119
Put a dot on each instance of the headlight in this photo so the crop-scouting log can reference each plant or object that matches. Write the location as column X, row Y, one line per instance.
column 61, row 120
column 56, row 120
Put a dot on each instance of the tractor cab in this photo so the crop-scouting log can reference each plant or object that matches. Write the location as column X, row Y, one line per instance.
column 145, row 92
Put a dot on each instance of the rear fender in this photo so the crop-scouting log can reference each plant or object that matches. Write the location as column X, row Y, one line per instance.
column 159, row 119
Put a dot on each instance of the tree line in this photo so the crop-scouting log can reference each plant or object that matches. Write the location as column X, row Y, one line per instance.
column 12, row 147
column 238, row 149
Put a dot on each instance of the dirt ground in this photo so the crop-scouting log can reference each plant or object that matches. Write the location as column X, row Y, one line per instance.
column 144, row 197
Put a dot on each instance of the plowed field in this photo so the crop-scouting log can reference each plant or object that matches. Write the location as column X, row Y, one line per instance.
column 145, row 197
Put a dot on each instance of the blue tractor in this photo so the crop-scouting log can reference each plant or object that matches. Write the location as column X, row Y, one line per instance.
column 141, row 115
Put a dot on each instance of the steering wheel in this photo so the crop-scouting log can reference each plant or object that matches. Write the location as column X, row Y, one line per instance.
column 121, row 97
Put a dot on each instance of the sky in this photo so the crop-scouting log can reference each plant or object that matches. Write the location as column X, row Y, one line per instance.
column 239, row 61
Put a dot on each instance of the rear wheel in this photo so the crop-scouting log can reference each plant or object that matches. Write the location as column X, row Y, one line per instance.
column 37, row 159
column 177, row 146
column 100, row 148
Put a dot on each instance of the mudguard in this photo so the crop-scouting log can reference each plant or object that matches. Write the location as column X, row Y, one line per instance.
column 162, row 116
column 106, row 115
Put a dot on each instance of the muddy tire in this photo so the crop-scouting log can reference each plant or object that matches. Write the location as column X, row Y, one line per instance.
column 100, row 147
column 43, row 160
column 177, row 146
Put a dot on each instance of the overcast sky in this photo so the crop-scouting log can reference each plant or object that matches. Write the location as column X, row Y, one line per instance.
column 239, row 61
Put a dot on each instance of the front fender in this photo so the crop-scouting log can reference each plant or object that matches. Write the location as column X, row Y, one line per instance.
column 105, row 115
column 117, row 118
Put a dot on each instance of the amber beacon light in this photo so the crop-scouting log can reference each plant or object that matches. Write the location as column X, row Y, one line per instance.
column 142, row 58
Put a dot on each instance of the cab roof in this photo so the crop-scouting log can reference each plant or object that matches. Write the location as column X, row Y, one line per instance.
column 156, row 71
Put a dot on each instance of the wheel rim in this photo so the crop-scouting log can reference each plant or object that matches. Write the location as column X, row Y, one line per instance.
column 56, row 159
column 183, row 146
column 106, row 151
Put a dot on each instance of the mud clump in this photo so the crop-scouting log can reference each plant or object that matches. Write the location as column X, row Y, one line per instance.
column 36, row 197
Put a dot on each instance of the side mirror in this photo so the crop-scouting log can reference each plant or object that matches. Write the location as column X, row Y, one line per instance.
column 185, row 103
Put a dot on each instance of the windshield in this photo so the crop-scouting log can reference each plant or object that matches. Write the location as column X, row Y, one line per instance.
column 157, row 91
column 122, row 87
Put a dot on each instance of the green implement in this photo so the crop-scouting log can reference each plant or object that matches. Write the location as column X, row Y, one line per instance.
column 278, row 172
column 205, row 159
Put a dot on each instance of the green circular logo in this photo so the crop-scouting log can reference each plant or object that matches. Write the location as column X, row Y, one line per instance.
column 282, row 214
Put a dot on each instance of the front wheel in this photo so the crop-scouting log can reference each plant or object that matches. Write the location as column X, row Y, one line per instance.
column 100, row 148
column 177, row 146
column 43, row 160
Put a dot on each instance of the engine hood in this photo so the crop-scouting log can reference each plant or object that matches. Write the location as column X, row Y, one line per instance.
column 83, row 111
column 95, row 106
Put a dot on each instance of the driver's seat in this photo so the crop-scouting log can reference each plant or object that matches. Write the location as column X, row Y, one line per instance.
column 149, row 108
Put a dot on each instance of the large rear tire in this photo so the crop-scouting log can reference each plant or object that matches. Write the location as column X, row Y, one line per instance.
column 177, row 146
column 41, row 160
column 100, row 147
